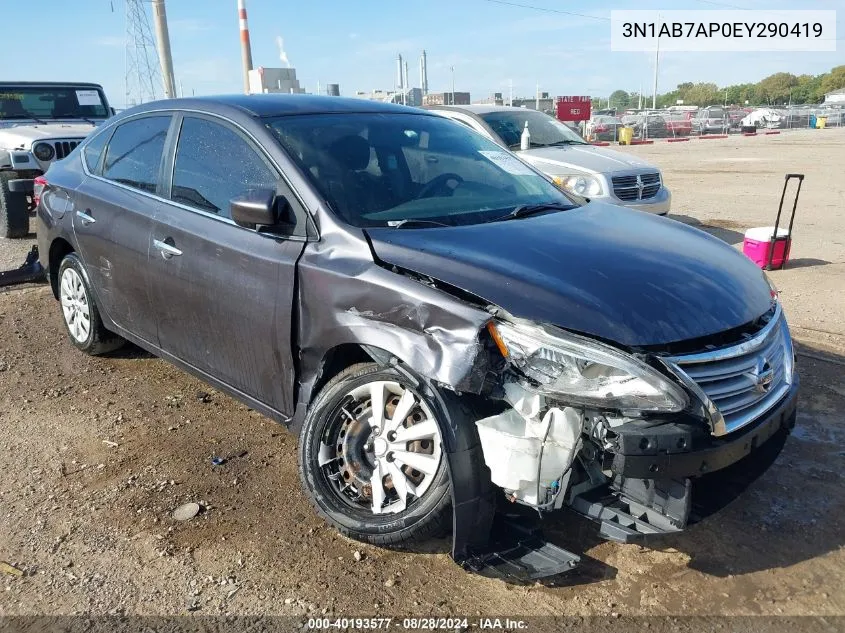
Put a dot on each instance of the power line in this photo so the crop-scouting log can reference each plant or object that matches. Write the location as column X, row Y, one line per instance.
column 548, row 10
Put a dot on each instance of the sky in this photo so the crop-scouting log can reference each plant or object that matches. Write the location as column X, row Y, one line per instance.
column 355, row 43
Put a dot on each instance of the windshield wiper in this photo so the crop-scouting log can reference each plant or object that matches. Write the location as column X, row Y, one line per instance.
column 35, row 118
column 518, row 146
column 524, row 210
column 565, row 142
column 414, row 223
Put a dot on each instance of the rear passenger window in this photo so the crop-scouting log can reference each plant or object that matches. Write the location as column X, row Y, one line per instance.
column 133, row 156
column 93, row 150
column 215, row 164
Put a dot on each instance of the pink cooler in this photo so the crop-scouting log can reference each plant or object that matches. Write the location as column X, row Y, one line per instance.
column 758, row 244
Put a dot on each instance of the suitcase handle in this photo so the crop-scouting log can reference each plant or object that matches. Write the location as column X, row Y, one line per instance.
column 775, row 237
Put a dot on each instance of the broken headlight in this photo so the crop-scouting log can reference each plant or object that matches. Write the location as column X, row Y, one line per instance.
column 582, row 371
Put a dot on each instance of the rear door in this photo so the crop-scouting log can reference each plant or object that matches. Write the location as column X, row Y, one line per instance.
column 222, row 293
column 113, row 213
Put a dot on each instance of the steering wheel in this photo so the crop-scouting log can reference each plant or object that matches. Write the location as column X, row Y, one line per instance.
column 440, row 182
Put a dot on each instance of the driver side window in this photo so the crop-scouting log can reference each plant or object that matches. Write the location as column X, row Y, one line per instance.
column 214, row 164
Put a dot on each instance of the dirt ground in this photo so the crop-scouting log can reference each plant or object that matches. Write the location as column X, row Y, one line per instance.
column 97, row 452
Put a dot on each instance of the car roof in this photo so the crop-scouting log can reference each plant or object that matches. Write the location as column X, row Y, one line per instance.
column 481, row 109
column 264, row 105
column 49, row 84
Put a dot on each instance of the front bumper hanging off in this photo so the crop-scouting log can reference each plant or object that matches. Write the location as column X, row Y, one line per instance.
column 650, row 494
column 28, row 272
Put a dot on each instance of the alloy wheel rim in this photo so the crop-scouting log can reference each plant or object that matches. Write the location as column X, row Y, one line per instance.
column 382, row 449
column 75, row 307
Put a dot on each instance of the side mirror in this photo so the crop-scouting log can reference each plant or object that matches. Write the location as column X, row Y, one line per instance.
column 263, row 209
column 255, row 208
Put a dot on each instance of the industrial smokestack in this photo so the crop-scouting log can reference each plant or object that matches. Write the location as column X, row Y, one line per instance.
column 424, row 73
column 400, row 73
column 246, row 49
column 163, row 45
column 407, row 86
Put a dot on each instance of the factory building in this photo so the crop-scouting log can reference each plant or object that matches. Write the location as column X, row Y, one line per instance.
column 446, row 98
column 284, row 80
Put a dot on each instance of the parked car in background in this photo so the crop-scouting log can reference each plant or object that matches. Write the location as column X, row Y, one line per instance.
column 603, row 128
column 40, row 123
column 441, row 327
column 734, row 118
column 678, row 125
column 710, row 120
column 646, row 125
column 572, row 163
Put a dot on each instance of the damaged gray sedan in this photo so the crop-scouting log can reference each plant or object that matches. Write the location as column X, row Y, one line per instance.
column 450, row 336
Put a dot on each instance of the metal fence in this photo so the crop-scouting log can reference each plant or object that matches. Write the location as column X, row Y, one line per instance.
column 664, row 124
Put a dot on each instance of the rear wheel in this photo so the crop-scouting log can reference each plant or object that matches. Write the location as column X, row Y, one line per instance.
column 14, row 212
column 371, row 458
column 79, row 310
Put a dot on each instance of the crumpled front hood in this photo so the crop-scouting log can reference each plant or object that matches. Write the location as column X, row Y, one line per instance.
column 25, row 135
column 581, row 158
column 601, row 270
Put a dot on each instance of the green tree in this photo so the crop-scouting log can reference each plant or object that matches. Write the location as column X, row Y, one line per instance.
column 619, row 99
column 777, row 88
column 703, row 94
column 834, row 80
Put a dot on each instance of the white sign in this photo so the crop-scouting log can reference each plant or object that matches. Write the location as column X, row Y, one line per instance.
column 88, row 98
column 723, row 31
column 507, row 162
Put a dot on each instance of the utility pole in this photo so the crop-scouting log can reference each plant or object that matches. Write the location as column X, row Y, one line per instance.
column 510, row 100
column 656, row 65
column 246, row 49
column 163, row 45
column 452, row 68
column 537, row 98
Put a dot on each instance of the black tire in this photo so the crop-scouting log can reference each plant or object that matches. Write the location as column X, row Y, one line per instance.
column 14, row 214
column 425, row 517
column 98, row 340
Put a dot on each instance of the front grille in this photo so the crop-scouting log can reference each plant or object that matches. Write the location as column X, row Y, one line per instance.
column 63, row 148
column 636, row 186
column 742, row 382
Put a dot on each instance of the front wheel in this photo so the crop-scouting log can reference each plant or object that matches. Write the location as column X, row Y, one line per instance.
column 371, row 458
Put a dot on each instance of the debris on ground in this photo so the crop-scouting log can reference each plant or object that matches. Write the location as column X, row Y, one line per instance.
column 186, row 512
column 6, row 568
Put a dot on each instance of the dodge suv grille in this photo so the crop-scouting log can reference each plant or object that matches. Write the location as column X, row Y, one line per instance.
column 636, row 186
column 740, row 383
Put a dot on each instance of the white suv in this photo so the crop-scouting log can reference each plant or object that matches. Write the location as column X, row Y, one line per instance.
column 40, row 123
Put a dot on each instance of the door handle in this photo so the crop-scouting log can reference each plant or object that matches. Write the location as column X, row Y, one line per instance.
column 85, row 218
column 167, row 250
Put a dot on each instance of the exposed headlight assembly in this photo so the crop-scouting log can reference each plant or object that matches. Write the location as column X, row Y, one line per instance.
column 584, row 186
column 582, row 371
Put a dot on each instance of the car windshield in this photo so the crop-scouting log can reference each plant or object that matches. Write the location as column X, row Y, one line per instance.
column 545, row 130
column 51, row 102
column 380, row 169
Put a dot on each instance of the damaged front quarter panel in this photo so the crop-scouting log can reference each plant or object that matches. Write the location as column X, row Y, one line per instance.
column 347, row 298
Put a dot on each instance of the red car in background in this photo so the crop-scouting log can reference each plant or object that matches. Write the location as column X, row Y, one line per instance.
column 678, row 124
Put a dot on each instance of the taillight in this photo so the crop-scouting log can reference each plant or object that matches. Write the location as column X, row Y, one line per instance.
column 601, row 128
column 38, row 187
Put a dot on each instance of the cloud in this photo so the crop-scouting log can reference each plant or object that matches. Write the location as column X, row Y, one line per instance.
column 353, row 36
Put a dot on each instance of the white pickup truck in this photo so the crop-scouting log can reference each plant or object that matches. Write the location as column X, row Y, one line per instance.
column 40, row 123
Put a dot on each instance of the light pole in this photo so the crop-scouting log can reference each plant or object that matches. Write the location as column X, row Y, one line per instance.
column 452, row 68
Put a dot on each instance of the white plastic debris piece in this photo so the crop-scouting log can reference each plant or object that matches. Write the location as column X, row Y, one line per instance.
column 526, row 455
column 186, row 512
